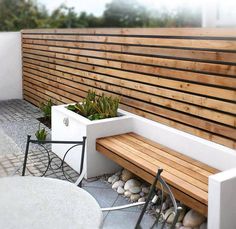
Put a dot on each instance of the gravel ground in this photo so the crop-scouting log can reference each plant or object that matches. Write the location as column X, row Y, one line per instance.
column 7, row 145
column 18, row 119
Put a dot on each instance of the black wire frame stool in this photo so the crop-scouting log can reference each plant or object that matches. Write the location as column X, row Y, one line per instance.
column 152, row 197
column 42, row 143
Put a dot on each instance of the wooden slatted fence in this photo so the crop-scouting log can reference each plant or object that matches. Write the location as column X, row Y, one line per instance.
column 184, row 78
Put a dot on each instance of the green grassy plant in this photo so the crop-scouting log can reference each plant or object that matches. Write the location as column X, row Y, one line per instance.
column 41, row 134
column 46, row 108
column 95, row 107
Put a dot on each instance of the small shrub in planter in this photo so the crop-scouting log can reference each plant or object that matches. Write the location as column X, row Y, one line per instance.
column 41, row 134
column 46, row 108
column 95, row 107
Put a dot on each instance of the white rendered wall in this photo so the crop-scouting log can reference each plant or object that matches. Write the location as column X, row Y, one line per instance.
column 10, row 66
column 222, row 201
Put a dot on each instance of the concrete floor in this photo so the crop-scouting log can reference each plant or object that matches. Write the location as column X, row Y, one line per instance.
column 19, row 118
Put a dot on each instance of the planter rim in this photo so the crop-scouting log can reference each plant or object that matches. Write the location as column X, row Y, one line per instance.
column 124, row 115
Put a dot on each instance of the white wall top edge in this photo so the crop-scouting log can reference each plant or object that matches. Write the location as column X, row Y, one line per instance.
column 224, row 176
column 9, row 32
column 64, row 110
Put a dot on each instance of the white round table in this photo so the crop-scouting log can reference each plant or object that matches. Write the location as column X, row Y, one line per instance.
column 41, row 203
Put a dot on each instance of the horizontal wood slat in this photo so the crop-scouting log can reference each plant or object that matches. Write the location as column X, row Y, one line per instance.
column 165, row 42
column 72, row 86
column 180, row 77
column 183, row 32
column 137, row 63
column 99, row 66
column 183, row 159
column 90, row 78
column 195, row 110
column 200, row 55
column 150, row 165
column 162, row 119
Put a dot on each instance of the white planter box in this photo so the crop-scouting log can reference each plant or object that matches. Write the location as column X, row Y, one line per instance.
column 78, row 126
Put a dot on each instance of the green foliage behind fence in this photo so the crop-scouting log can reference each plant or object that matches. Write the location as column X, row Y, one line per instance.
column 28, row 14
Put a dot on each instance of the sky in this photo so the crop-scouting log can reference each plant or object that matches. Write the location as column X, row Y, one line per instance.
column 227, row 8
column 90, row 6
column 97, row 6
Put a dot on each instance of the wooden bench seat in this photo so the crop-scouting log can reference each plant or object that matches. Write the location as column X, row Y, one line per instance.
column 187, row 177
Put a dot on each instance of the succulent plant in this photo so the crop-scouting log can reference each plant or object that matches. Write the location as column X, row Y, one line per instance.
column 107, row 107
column 91, row 96
column 96, row 107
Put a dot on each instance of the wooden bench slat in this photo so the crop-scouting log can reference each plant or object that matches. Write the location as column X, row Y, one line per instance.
column 148, row 161
column 173, row 167
column 173, row 161
column 141, row 160
column 185, row 199
column 174, row 153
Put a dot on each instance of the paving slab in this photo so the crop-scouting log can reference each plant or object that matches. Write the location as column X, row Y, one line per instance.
column 105, row 197
column 123, row 219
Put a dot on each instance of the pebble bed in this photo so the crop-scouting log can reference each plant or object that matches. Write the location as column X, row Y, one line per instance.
column 136, row 190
